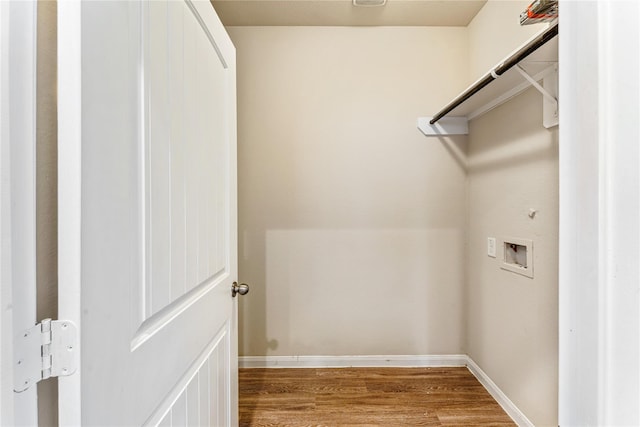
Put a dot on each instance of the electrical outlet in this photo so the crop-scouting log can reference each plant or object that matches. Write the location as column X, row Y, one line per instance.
column 491, row 247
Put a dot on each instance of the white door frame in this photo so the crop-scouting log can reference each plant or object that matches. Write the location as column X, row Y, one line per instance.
column 599, row 298
column 69, row 193
column 591, row 303
column 6, row 328
column 18, row 23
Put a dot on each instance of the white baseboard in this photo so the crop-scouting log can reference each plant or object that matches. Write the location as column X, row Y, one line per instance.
column 509, row 407
column 351, row 361
column 391, row 361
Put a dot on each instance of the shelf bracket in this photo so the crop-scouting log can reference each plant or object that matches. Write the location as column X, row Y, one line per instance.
column 444, row 126
column 549, row 92
column 537, row 85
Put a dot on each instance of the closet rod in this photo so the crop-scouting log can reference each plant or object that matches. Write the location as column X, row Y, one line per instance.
column 509, row 63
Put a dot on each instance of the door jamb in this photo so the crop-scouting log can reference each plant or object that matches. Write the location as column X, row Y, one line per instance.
column 18, row 201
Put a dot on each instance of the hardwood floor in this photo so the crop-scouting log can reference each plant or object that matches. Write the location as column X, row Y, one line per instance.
column 366, row 397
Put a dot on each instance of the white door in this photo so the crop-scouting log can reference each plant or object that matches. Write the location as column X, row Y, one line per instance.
column 147, row 196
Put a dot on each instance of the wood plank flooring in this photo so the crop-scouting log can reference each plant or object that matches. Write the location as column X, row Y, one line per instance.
column 372, row 397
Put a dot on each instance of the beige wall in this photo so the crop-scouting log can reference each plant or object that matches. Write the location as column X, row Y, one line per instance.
column 495, row 32
column 513, row 320
column 351, row 223
column 353, row 227
column 46, row 192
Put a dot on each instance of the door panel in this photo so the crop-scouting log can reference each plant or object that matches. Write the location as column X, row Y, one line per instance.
column 147, row 140
column 183, row 52
column 199, row 398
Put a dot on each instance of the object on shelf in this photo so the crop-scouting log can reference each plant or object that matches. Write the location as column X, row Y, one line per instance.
column 540, row 11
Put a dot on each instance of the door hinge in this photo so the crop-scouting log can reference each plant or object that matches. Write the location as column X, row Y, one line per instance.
column 49, row 349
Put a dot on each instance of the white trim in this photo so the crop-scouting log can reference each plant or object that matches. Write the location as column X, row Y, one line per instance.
column 351, row 361
column 18, row 225
column 404, row 361
column 509, row 407
column 599, row 298
column 6, row 298
column 69, row 194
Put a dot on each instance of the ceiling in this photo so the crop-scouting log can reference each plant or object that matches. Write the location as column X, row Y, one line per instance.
column 343, row 13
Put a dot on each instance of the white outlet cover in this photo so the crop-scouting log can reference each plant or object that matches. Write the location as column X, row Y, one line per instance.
column 491, row 246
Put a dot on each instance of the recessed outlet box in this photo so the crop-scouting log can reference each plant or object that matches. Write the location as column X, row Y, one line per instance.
column 517, row 255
